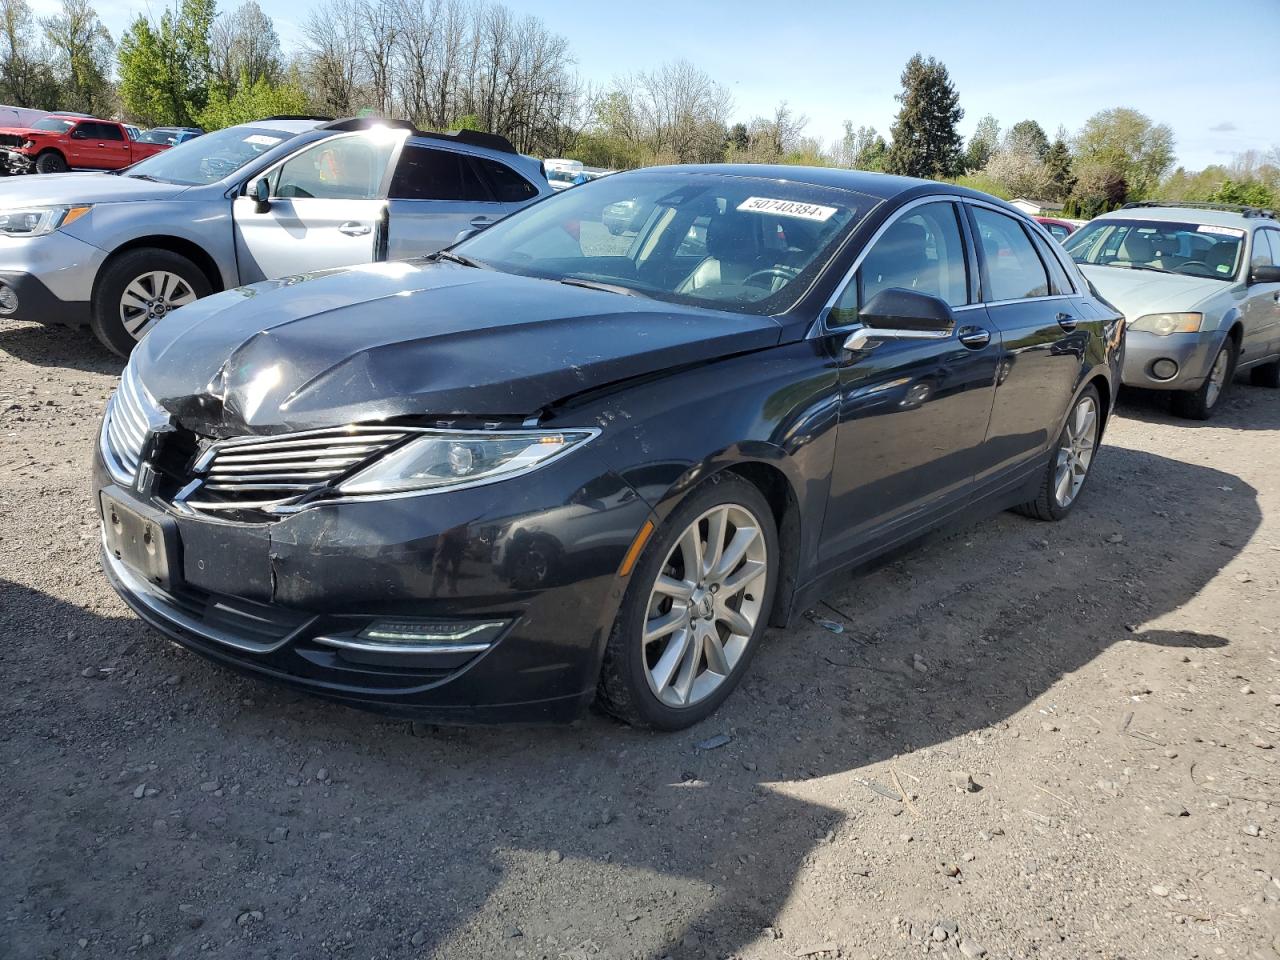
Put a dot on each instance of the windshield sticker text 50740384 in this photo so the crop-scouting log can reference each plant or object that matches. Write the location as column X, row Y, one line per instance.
column 787, row 208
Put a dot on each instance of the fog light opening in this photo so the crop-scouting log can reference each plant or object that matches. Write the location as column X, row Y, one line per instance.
column 407, row 636
column 1164, row 369
column 8, row 300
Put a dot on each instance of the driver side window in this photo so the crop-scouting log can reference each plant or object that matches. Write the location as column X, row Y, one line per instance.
column 922, row 251
column 340, row 168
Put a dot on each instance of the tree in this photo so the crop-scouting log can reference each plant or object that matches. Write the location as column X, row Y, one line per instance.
column 925, row 140
column 1099, row 189
column 1129, row 145
column 1059, row 176
column 243, row 46
column 165, row 66
column 982, row 144
column 81, row 49
column 252, row 100
column 1029, row 136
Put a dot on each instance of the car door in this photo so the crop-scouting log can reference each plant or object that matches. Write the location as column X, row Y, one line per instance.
column 436, row 194
column 87, row 149
column 113, row 143
column 326, row 208
column 1030, row 298
column 1261, row 309
column 913, row 412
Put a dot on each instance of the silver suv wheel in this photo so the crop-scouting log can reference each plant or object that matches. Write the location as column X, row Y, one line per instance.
column 149, row 297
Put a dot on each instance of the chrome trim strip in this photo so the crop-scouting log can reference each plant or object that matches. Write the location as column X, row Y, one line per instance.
column 371, row 647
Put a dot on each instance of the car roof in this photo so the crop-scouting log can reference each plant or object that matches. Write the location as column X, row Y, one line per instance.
column 883, row 186
column 285, row 126
column 1213, row 218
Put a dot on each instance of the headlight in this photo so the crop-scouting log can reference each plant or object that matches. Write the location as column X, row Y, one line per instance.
column 37, row 221
column 1163, row 324
column 443, row 459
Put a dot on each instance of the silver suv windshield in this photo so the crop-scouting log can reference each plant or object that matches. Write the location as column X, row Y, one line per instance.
column 734, row 243
column 1164, row 246
column 209, row 158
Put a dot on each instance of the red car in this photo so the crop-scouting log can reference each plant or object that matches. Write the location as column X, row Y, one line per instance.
column 1058, row 229
column 62, row 142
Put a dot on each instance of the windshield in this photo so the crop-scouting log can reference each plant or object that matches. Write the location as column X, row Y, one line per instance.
column 735, row 243
column 1166, row 246
column 56, row 124
column 211, row 157
column 158, row 136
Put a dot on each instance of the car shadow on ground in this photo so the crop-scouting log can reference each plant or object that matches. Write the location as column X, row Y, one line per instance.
column 1154, row 406
column 344, row 831
column 73, row 348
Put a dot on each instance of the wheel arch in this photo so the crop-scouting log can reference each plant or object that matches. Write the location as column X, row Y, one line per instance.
column 781, row 497
column 179, row 245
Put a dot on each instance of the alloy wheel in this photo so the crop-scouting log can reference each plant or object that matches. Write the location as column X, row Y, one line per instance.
column 1217, row 377
column 1076, row 451
column 150, row 297
column 705, row 604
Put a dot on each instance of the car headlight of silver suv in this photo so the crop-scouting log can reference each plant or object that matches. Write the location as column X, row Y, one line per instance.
column 1163, row 324
column 37, row 221
column 445, row 459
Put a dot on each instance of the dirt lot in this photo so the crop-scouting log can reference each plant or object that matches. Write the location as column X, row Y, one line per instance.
column 1111, row 685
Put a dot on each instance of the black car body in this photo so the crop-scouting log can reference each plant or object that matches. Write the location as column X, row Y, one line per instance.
column 857, row 442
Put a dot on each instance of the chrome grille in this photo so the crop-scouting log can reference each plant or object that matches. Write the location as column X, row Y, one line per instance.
column 253, row 473
column 132, row 414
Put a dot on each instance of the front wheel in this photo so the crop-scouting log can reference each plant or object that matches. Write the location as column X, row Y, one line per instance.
column 1068, row 467
column 51, row 162
column 138, row 289
column 695, row 610
column 1200, row 404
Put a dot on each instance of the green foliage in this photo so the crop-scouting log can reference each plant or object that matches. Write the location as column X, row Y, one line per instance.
column 982, row 144
column 1127, row 145
column 251, row 101
column 982, row 181
column 1028, row 135
column 925, row 140
column 164, row 67
column 1250, row 193
column 1060, row 178
column 81, row 49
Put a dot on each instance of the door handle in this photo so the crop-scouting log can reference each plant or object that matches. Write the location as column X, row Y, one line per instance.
column 353, row 229
column 483, row 221
column 975, row 338
column 1067, row 321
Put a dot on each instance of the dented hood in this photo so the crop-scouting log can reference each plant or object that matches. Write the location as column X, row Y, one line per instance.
column 415, row 338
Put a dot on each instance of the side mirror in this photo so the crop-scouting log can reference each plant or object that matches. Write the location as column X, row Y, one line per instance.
column 900, row 314
column 261, row 195
column 1264, row 275
column 79, row 134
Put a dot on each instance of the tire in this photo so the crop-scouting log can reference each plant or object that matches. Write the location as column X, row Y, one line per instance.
column 1200, row 404
column 51, row 162
column 1077, row 447
column 157, row 282
column 1267, row 375
column 629, row 680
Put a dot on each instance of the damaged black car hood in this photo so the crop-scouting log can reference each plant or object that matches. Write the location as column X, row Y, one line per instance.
column 415, row 338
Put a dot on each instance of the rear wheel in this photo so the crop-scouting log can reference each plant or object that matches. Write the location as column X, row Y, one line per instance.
column 1068, row 468
column 1267, row 375
column 695, row 610
column 1200, row 404
column 139, row 288
column 51, row 162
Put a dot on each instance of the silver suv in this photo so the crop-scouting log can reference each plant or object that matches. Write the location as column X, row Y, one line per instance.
column 1200, row 287
column 282, row 196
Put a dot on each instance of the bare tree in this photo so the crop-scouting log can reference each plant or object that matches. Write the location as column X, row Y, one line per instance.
column 82, row 53
column 26, row 79
column 243, row 44
column 332, row 71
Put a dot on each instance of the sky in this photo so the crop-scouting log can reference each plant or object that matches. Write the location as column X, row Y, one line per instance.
column 1188, row 63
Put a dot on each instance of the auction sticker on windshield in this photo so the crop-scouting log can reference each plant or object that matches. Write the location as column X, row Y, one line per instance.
column 262, row 140
column 787, row 208
column 1220, row 231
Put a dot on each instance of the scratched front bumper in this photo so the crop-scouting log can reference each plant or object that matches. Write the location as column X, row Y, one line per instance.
column 255, row 596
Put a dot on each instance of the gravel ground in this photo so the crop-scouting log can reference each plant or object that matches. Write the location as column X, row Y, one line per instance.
column 1081, row 717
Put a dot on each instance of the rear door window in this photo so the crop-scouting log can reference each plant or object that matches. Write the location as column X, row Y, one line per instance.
column 1059, row 282
column 108, row 131
column 424, row 173
column 1014, row 269
column 507, row 185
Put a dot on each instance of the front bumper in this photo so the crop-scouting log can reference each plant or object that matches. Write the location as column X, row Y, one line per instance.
column 52, row 277
column 1192, row 352
column 255, row 597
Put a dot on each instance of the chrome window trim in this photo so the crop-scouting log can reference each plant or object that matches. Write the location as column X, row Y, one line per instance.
column 1071, row 271
column 821, row 328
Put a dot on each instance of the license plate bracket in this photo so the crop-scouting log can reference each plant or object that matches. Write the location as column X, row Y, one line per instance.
column 144, row 540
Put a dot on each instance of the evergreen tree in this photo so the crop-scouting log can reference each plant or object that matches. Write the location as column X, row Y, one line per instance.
column 926, row 142
column 1057, row 163
column 164, row 67
column 1029, row 136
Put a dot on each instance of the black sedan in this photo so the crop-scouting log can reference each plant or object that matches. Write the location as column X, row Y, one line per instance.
column 592, row 452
